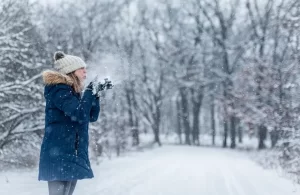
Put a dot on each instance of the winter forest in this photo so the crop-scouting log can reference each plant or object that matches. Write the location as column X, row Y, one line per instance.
column 193, row 73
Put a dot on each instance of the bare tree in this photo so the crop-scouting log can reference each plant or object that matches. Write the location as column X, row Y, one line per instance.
column 20, row 92
column 221, row 31
column 85, row 31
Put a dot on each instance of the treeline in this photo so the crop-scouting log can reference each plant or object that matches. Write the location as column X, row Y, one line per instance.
column 223, row 68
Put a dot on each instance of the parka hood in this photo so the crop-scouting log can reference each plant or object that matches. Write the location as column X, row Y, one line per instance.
column 51, row 77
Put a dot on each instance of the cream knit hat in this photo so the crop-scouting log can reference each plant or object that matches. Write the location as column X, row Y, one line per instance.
column 65, row 64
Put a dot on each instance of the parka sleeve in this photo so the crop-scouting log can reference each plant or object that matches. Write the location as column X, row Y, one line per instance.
column 77, row 110
column 95, row 110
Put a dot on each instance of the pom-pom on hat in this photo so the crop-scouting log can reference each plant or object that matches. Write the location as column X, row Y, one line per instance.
column 66, row 64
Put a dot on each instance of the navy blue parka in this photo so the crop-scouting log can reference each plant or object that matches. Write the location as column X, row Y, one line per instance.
column 64, row 150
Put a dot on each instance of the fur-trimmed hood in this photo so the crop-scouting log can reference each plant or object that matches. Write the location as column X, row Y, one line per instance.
column 53, row 77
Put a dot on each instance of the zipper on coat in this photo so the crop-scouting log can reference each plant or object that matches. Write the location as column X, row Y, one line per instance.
column 76, row 143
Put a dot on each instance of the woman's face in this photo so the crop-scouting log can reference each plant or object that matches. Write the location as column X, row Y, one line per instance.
column 81, row 73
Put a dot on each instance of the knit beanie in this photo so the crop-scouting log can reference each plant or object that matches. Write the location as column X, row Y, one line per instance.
column 66, row 64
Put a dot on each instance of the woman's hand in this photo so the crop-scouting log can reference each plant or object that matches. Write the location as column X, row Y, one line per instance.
column 95, row 88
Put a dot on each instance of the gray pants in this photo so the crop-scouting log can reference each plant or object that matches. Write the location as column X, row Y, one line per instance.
column 61, row 187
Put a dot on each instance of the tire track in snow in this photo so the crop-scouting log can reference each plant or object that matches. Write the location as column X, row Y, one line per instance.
column 232, row 183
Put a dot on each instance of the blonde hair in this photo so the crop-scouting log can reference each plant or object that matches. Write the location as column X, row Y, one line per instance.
column 77, row 83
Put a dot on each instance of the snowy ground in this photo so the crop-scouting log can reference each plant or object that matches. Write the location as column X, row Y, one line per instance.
column 170, row 170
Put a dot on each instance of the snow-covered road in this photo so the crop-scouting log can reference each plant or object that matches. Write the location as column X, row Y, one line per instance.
column 170, row 170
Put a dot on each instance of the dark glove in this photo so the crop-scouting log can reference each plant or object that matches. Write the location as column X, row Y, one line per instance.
column 94, row 88
column 98, row 87
column 90, row 86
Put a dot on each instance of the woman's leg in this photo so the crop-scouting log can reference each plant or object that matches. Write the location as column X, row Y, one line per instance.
column 70, row 187
column 56, row 187
column 61, row 187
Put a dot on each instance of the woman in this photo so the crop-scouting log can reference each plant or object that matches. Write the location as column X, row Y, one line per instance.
column 64, row 152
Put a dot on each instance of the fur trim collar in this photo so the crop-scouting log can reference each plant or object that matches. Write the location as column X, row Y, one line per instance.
column 52, row 77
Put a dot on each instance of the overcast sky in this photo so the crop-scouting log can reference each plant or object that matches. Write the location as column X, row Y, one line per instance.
column 47, row 1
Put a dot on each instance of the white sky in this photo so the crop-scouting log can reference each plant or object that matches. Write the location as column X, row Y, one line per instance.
column 47, row 1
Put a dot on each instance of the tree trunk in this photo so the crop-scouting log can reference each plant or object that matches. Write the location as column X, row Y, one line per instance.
column 133, row 129
column 185, row 115
column 225, row 123
column 274, row 135
column 118, row 150
column 197, row 102
column 262, row 135
column 156, row 135
column 135, row 137
column 225, row 133
column 232, row 132
column 240, row 133
column 196, row 113
column 135, row 133
column 213, row 122
column 179, row 125
column 156, row 125
column 225, row 117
